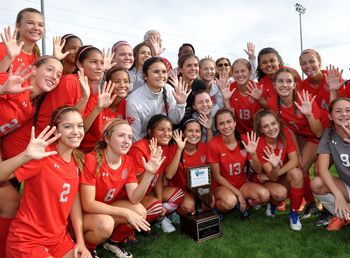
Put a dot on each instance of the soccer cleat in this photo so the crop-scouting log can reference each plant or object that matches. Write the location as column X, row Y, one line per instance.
column 336, row 224
column 166, row 225
column 281, row 206
column 270, row 210
column 294, row 221
column 310, row 209
column 117, row 249
column 245, row 215
column 174, row 217
column 94, row 254
column 131, row 239
column 324, row 218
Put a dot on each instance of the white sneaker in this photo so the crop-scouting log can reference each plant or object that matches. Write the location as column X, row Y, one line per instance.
column 269, row 210
column 294, row 223
column 166, row 225
column 116, row 249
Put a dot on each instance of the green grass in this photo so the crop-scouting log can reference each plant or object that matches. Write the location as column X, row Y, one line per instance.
column 259, row 237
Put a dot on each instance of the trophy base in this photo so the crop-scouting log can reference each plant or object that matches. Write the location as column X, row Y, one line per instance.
column 201, row 227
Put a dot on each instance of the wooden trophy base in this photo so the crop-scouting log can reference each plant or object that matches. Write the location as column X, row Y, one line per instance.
column 201, row 227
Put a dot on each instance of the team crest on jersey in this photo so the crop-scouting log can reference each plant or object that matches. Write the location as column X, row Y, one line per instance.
column 251, row 100
column 280, row 146
column 213, row 99
column 203, row 158
column 298, row 113
column 130, row 120
column 125, row 173
column 243, row 152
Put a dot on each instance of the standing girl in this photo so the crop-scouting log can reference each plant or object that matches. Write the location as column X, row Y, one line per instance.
column 229, row 157
column 279, row 157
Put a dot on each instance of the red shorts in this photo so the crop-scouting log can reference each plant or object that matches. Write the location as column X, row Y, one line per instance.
column 17, row 249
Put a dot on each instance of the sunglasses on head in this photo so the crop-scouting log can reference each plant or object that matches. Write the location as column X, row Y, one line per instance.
column 225, row 64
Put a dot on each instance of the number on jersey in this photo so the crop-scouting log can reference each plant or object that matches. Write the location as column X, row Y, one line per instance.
column 244, row 114
column 65, row 192
column 345, row 160
column 235, row 169
column 110, row 195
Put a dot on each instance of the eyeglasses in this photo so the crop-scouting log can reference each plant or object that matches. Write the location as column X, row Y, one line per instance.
column 225, row 64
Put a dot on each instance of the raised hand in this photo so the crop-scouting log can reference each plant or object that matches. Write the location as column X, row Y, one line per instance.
column 334, row 78
column 156, row 45
column 108, row 59
column 253, row 90
column 155, row 160
column 180, row 91
column 347, row 131
column 306, row 103
column 58, row 47
column 178, row 139
column 13, row 48
column 13, row 84
column 105, row 97
column 225, row 88
column 36, row 146
column 205, row 121
column 84, row 83
column 252, row 142
column 250, row 51
column 271, row 157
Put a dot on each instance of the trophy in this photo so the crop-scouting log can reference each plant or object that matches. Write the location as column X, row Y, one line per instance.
column 202, row 225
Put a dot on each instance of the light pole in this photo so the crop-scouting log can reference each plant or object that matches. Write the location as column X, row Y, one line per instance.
column 43, row 40
column 301, row 10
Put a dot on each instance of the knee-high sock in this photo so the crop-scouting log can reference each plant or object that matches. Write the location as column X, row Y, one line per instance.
column 154, row 210
column 296, row 197
column 174, row 200
column 121, row 232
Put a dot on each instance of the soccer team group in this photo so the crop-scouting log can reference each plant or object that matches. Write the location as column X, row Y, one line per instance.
column 99, row 142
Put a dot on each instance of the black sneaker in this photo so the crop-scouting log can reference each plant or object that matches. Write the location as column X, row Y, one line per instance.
column 310, row 209
column 324, row 218
column 117, row 249
column 245, row 215
column 94, row 254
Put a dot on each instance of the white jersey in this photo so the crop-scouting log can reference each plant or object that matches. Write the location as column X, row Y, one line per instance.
column 143, row 103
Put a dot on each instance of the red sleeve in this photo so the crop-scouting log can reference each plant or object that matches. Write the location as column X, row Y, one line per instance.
column 2, row 51
column 28, row 170
column 88, row 176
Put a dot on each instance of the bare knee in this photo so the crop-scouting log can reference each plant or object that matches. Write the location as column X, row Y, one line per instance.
column 103, row 227
column 317, row 185
column 228, row 202
column 263, row 195
column 188, row 205
column 295, row 177
column 140, row 209
column 279, row 194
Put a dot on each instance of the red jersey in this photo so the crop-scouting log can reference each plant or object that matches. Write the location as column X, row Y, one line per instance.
column 51, row 186
column 295, row 120
column 198, row 158
column 21, row 58
column 232, row 162
column 245, row 108
column 94, row 133
column 110, row 182
column 141, row 149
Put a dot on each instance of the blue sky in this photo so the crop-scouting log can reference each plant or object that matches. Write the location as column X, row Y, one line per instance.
column 215, row 28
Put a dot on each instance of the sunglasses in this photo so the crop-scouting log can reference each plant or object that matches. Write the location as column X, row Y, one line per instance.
column 225, row 64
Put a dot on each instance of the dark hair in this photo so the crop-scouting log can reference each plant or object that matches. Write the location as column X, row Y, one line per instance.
column 113, row 70
column 331, row 130
column 194, row 95
column 136, row 53
column 236, row 132
column 56, row 118
column 145, row 68
column 186, row 45
column 184, row 58
column 154, row 121
column 222, row 58
column 268, row 50
column 19, row 18
column 67, row 38
column 83, row 53
column 101, row 145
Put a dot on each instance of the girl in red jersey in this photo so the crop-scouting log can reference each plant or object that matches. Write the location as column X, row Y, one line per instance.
column 239, row 97
column 303, row 117
column 107, row 171
column 114, row 106
column 279, row 157
column 159, row 199
column 65, row 48
column 228, row 155
column 21, row 46
column 50, row 195
column 189, row 152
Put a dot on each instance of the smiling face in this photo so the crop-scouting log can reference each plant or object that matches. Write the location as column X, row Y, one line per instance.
column 285, row 84
column 124, row 57
column 190, row 69
column 47, row 75
column 193, row 132
column 93, row 66
column 207, row 71
column 71, row 129
column 269, row 126
column 269, row 63
column 121, row 139
column 122, row 83
column 163, row 132
column 156, row 76
column 223, row 66
column 340, row 113
column 225, row 124
column 72, row 45
column 202, row 103
column 31, row 27
column 310, row 64
column 144, row 54
column 240, row 73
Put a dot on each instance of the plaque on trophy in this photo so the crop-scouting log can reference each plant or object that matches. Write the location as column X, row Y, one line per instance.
column 202, row 225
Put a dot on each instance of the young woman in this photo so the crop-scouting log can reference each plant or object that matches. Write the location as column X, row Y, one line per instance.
column 160, row 199
column 123, row 55
column 278, row 155
column 239, row 97
column 21, row 46
column 65, row 48
column 109, row 105
column 142, row 52
column 50, row 194
column 229, row 157
column 107, row 171
column 207, row 75
column 157, row 98
column 302, row 116
column 189, row 152
column 334, row 147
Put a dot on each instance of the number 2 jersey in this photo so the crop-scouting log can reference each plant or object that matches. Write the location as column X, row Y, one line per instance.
column 51, row 186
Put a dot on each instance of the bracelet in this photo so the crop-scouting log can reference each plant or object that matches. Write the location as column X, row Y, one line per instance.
column 181, row 105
